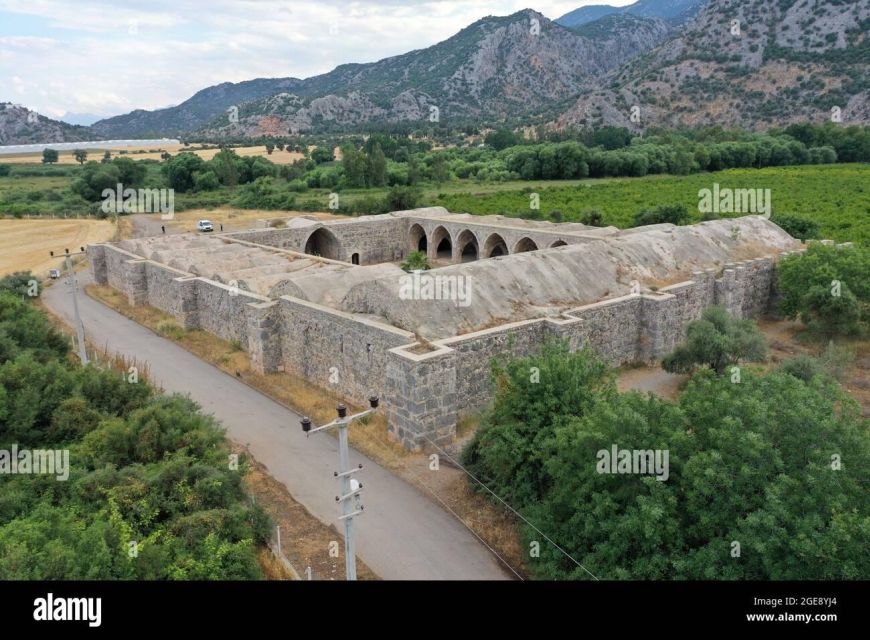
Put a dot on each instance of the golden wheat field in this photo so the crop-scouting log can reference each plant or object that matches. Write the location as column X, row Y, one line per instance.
column 24, row 244
column 154, row 153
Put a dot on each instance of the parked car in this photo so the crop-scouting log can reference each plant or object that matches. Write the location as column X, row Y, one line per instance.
column 54, row 274
column 205, row 225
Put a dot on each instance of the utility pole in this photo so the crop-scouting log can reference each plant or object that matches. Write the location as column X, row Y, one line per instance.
column 80, row 328
column 350, row 488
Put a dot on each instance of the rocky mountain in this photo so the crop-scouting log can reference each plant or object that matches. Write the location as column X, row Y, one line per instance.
column 499, row 67
column 749, row 63
column 20, row 125
column 193, row 113
column 674, row 11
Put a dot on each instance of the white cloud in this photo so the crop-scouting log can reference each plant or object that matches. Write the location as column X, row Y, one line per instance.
column 84, row 59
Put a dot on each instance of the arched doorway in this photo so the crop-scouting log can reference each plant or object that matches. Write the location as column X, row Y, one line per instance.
column 354, row 258
column 467, row 246
column 494, row 246
column 559, row 243
column 526, row 244
column 442, row 244
column 417, row 238
column 324, row 244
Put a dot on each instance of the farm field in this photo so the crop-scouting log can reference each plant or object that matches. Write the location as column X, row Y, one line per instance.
column 24, row 244
column 835, row 196
column 152, row 153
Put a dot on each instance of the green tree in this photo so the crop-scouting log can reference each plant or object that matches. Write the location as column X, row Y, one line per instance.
column 322, row 154
column 501, row 139
column 49, row 156
column 401, row 198
column 440, row 174
column 760, row 463
column 179, row 170
column 376, row 168
column 827, row 288
column 354, row 163
column 719, row 341
column 95, row 179
column 80, row 155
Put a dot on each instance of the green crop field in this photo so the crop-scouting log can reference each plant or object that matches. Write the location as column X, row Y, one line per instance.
column 837, row 197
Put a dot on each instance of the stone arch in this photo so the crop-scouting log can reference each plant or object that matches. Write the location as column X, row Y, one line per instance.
column 354, row 258
column 417, row 240
column 559, row 243
column 525, row 244
column 323, row 243
column 467, row 247
column 494, row 246
column 441, row 245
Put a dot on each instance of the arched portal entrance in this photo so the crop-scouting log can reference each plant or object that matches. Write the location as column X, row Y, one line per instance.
column 526, row 244
column 441, row 244
column 494, row 246
column 324, row 244
column 417, row 239
column 467, row 246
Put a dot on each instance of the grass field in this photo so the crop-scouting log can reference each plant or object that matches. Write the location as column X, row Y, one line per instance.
column 24, row 244
column 835, row 196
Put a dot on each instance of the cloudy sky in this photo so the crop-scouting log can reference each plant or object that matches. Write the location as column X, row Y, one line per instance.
column 105, row 57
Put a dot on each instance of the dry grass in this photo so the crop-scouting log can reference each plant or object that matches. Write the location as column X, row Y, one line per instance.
column 272, row 567
column 787, row 339
column 448, row 485
column 153, row 153
column 305, row 540
column 235, row 219
column 24, row 244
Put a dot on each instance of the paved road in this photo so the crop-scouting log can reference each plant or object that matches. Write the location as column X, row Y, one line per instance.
column 402, row 535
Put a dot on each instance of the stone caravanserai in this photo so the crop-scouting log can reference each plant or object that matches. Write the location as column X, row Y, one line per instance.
column 327, row 300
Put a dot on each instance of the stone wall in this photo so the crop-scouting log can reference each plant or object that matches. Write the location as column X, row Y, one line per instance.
column 335, row 350
column 374, row 239
column 425, row 388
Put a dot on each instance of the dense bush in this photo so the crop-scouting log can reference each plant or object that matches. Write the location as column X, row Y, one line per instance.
column 143, row 468
column 765, row 478
column 800, row 228
column 828, row 288
column 717, row 341
column 670, row 213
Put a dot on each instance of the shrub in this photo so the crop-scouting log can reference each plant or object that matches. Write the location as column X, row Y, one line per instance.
column 827, row 288
column 800, row 228
column 673, row 214
column 718, row 341
column 416, row 261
